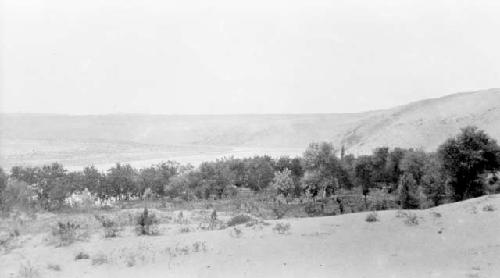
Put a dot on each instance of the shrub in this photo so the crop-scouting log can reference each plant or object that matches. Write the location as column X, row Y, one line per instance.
column 411, row 219
column 147, row 223
column 28, row 271
column 401, row 213
column 199, row 246
column 489, row 207
column 100, row 259
column 110, row 227
column 82, row 256
column 66, row 233
column 7, row 239
column 239, row 219
column 180, row 219
column 282, row 228
column 313, row 209
column 280, row 210
column 54, row 267
column 184, row 230
column 130, row 260
column 436, row 214
column 236, row 232
column 372, row 217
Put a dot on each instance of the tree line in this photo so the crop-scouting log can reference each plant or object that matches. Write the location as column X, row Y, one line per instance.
column 464, row 166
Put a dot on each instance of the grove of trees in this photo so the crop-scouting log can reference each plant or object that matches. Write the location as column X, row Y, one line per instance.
column 464, row 166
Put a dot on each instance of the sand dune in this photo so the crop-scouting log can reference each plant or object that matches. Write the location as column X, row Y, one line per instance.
column 446, row 242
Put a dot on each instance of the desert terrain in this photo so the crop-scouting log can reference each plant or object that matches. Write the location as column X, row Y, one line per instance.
column 142, row 140
column 453, row 240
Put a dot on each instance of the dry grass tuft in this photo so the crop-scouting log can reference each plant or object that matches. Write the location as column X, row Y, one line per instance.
column 372, row 217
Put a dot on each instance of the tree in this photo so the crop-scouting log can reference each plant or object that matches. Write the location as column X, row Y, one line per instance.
column 59, row 190
column 414, row 162
column 323, row 169
column 93, row 180
column 379, row 164
column 408, row 192
column 393, row 165
column 259, row 172
column 17, row 194
column 283, row 182
column 466, row 158
column 157, row 177
column 30, row 175
column 433, row 183
column 363, row 169
column 122, row 181
column 50, row 177
column 3, row 186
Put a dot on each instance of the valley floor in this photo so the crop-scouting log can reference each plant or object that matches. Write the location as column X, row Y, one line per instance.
column 454, row 240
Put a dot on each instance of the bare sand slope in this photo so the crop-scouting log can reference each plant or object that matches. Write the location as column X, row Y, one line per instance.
column 79, row 141
column 455, row 240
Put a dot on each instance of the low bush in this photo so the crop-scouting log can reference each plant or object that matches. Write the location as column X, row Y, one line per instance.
column 28, row 271
column 7, row 239
column 130, row 260
column 239, row 219
column 66, row 233
column 280, row 210
column 236, row 232
column 401, row 213
column 82, row 256
column 313, row 209
column 100, row 259
column 489, row 208
column 199, row 246
column 181, row 219
column 54, row 267
column 147, row 223
column 411, row 219
column 436, row 214
column 111, row 229
column 282, row 228
column 372, row 217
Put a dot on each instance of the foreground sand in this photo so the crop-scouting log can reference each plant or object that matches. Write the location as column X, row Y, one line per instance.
column 455, row 240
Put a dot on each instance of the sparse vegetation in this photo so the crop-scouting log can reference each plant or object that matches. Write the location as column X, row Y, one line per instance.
column 238, row 220
column 147, row 223
column 437, row 214
column 489, row 208
column 54, row 267
column 236, row 232
column 411, row 219
column 282, row 228
column 27, row 270
column 110, row 227
column 82, row 256
column 99, row 259
column 280, row 210
column 199, row 246
column 66, row 233
column 372, row 217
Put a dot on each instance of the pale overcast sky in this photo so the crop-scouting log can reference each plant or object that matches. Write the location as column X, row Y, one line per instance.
column 254, row 56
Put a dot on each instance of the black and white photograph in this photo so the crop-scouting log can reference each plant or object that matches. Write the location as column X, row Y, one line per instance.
column 242, row 139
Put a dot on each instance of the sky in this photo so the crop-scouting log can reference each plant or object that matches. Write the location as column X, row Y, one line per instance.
column 231, row 57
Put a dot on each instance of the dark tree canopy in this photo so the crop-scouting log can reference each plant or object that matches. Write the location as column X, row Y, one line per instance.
column 465, row 158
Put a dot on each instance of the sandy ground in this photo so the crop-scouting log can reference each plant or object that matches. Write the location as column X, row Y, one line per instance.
column 455, row 240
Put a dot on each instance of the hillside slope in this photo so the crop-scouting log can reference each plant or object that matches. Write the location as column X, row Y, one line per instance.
column 81, row 140
column 426, row 124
